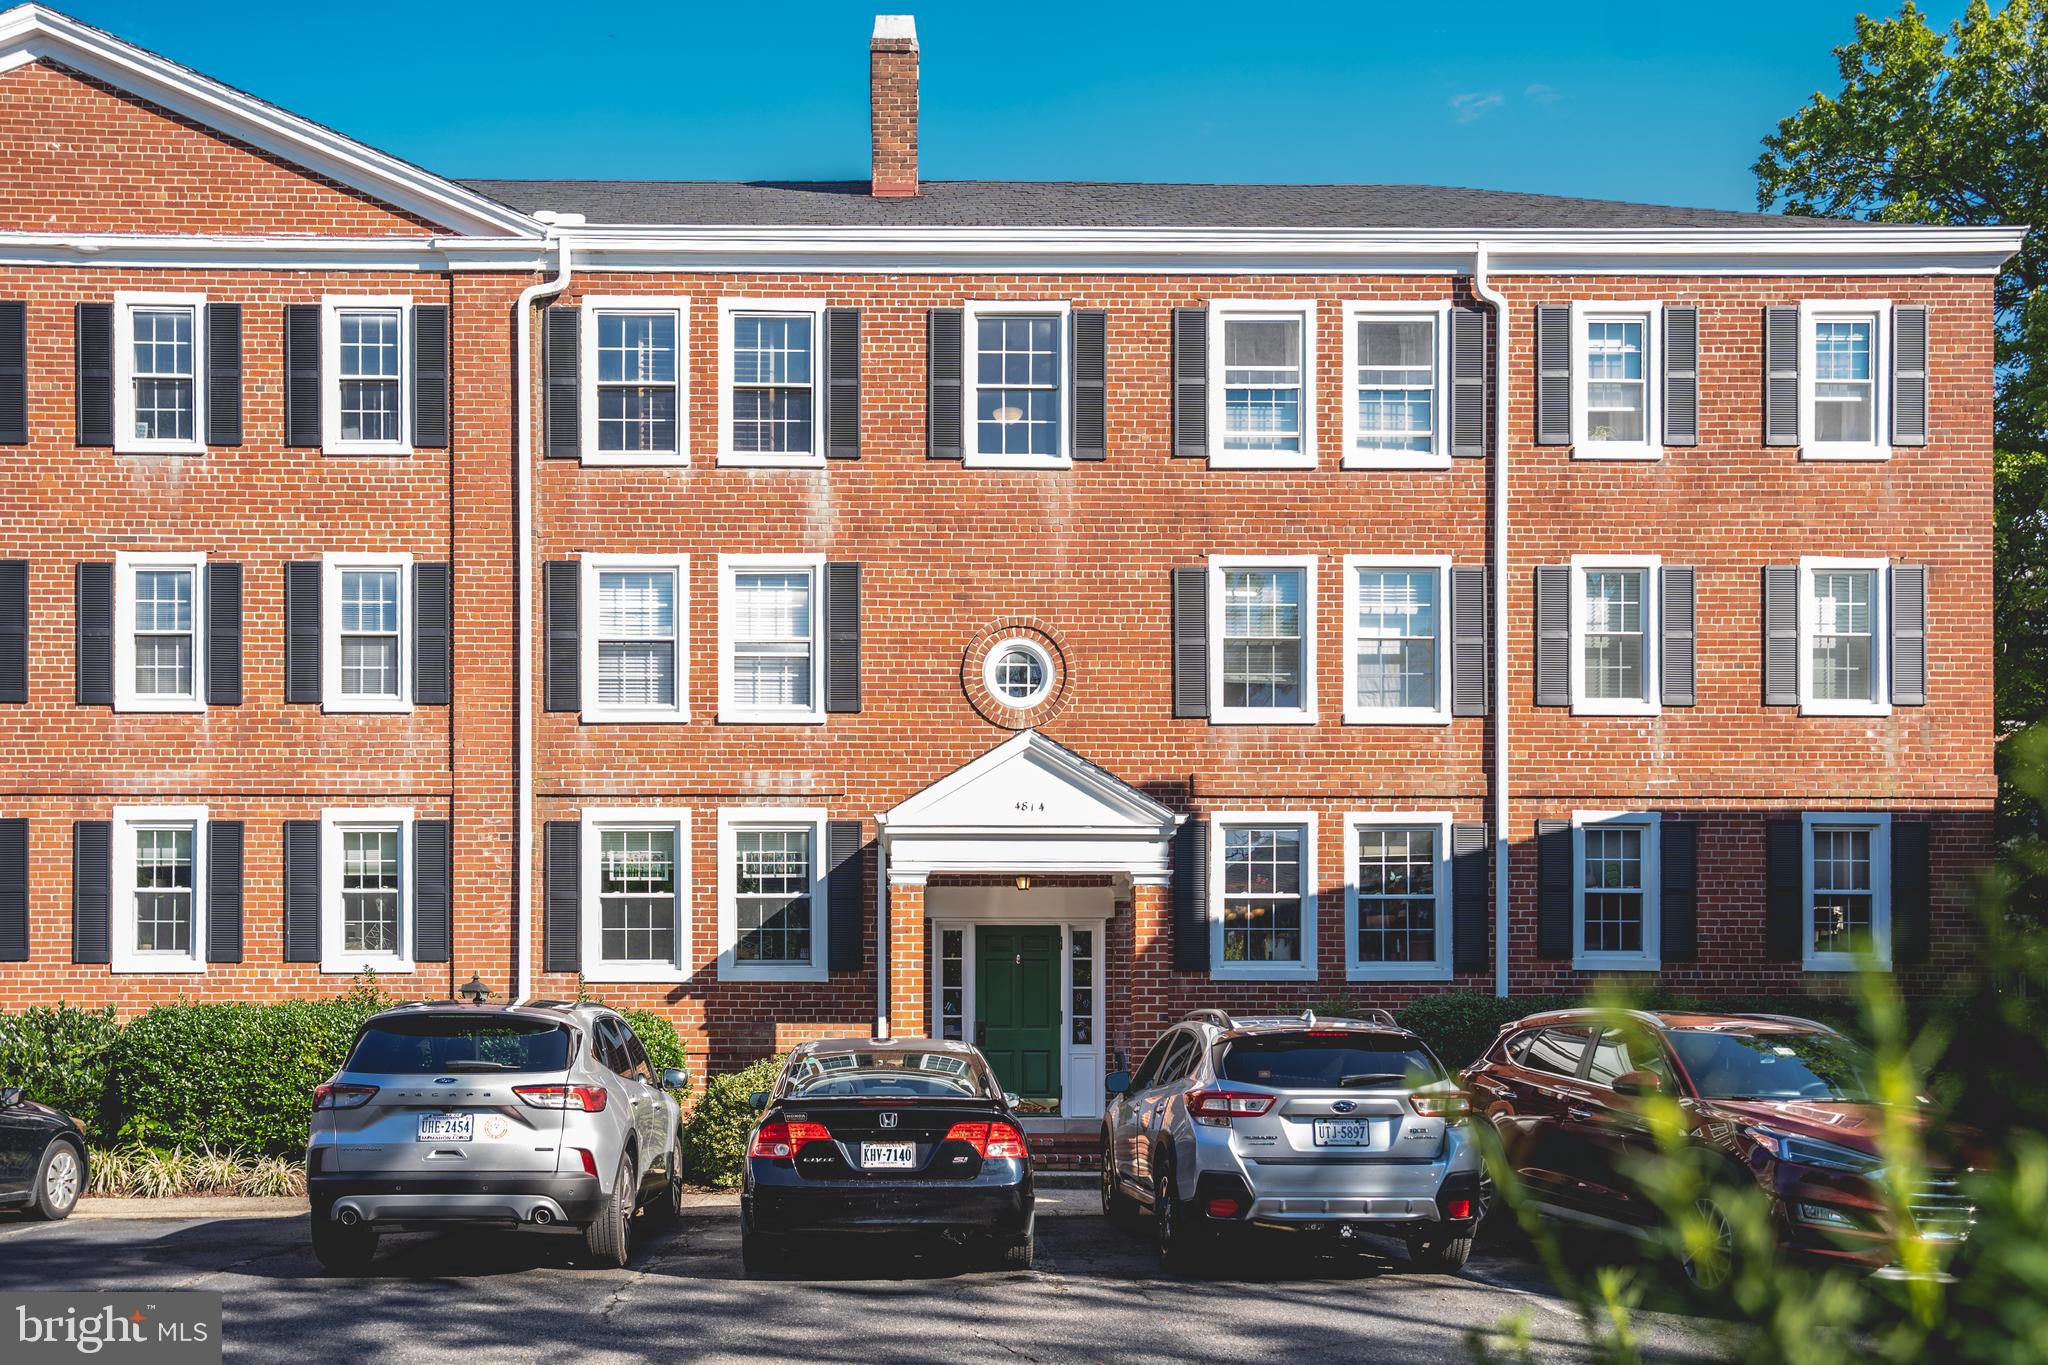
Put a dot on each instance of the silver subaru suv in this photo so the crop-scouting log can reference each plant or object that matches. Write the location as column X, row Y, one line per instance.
column 1336, row 1126
column 547, row 1114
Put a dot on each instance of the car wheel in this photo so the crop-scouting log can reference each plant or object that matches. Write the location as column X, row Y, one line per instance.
column 609, row 1240
column 1020, row 1254
column 1707, row 1269
column 670, row 1205
column 1183, row 1241
column 1437, row 1253
column 343, row 1251
column 761, row 1253
column 60, row 1179
column 1116, row 1205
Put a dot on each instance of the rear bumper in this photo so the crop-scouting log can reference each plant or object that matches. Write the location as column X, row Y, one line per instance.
column 998, row 1202
column 1454, row 1205
column 468, row 1198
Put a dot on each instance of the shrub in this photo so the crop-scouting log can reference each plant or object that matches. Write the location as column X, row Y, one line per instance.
column 657, row 1033
column 62, row 1056
column 150, row 1173
column 715, row 1138
column 1459, row 1025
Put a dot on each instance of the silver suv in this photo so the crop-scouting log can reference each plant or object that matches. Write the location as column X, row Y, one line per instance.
column 546, row 1114
column 1337, row 1126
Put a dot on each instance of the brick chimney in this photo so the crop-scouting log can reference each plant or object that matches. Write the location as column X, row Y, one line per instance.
column 892, row 105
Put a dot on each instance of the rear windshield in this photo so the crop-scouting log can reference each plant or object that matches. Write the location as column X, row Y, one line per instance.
column 1293, row 1061
column 886, row 1075
column 455, row 1042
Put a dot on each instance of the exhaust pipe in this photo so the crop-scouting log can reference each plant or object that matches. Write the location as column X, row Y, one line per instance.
column 349, row 1217
column 542, row 1215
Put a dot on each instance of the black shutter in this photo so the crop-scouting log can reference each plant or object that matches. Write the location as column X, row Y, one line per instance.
column 1468, row 383
column 223, row 890
column 1909, row 375
column 943, row 362
column 1554, row 889
column 1191, row 895
column 842, row 383
column 842, row 637
column 1781, row 376
column 1468, row 642
column 13, row 373
column 430, row 617
column 1677, row 666
column 562, row 902
column 560, row 606
column 302, row 679
column 1469, row 863
column 431, row 876
column 1553, row 635
column 1909, row 634
column 1091, row 374
column 302, row 374
column 561, row 381
column 224, row 374
column 1191, row 382
column 844, row 894
column 94, row 400
column 1678, row 894
column 1784, row 889
column 223, row 634
column 14, row 890
column 1781, row 635
column 1190, row 642
column 1553, row 375
column 92, row 890
column 13, row 630
column 1912, row 887
column 430, row 376
column 93, row 608
column 1682, row 376
column 302, row 891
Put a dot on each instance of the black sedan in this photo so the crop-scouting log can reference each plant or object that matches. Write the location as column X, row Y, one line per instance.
column 906, row 1135
column 42, row 1157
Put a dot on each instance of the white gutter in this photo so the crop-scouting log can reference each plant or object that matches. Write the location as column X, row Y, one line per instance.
column 1486, row 291
column 522, row 529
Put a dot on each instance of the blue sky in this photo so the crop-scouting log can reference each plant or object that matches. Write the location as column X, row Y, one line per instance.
column 1649, row 101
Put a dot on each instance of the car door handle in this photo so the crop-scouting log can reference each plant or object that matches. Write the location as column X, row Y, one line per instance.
column 1578, row 1112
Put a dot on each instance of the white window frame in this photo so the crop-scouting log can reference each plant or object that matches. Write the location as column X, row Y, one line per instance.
column 598, row 821
column 1020, row 644
column 124, row 956
column 1650, row 958
column 1878, row 312
column 731, row 820
column 1880, row 648
column 1438, row 315
column 1439, row 969
column 1880, row 826
column 971, row 314
column 1651, row 315
column 729, row 569
column 1652, row 702
column 332, row 699
column 1221, row 311
column 126, row 442
column 1307, row 968
column 1440, row 712
column 334, row 960
column 728, row 453
column 1305, row 714
column 126, row 565
column 595, row 712
column 331, row 309
column 587, row 379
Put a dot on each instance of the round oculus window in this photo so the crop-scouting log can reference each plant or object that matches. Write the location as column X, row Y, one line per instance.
column 1018, row 673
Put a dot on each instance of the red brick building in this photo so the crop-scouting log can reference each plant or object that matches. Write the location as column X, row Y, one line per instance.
column 1019, row 610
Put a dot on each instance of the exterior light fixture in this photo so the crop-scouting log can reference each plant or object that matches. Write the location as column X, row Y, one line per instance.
column 475, row 991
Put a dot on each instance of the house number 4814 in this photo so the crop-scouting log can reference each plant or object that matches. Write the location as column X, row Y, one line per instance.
column 1030, row 805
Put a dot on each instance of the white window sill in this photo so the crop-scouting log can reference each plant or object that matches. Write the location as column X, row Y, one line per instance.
column 1262, row 459
column 1867, row 454
column 1395, row 459
column 1258, row 717
column 1272, row 971
column 355, row 964
column 759, row 459
column 134, row 447
column 734, row 716
column 1845, row 708
column 1617, row 708
column 670, row 717
column 155, row 964
column 1603, row 450
column 367, row 706
column 731, row 971
column 635, row 973
column 636, row 459
column 162, row 706
column 1614, row 962
column 1397, row 971
column 1018, row 462
column 1841, row 962
column 1394, row 716
column 386, row 449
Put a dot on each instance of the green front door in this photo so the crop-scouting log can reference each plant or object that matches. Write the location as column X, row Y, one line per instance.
column 1017, row 1008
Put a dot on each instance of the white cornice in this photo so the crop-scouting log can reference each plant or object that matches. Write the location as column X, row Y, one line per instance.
column 169, row 252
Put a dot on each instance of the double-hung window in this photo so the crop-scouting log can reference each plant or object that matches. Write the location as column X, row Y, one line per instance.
column 636, row 894
column 635, row 657
column 771, row 406
column 635, row 402
column 1015, row 382
column 1395, row 357
column 366, row 370
column 159, row 358
column 770, row 638
column 1614, row 893
column 367, row 618
column 159, row 889
column 366, row 889
column 1261, row 403
column 1614, row 635
column 1842, row 634
column 1843, row 410
column 159, row 632
column 1398, row 897
column 1262, row 915
column 1394, row 654
column 1616, row 408
column 771, row 894
column 1261, row 639
column 1848, row 892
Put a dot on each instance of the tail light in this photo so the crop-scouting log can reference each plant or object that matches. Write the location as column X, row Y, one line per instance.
column 1450, row 1105
column 784, row 1139
column 1457, row 1208
column 1218, row 1107
column 342, row 1096
column 588, row 1159
column 990, row 1141
column 1223, row 1208
column 588, row 1098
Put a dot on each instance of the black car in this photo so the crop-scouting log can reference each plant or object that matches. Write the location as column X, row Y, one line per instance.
column 907, row 1135
column 42, row 1157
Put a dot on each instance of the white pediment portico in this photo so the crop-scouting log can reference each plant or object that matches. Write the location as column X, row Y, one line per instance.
column 1028, row 806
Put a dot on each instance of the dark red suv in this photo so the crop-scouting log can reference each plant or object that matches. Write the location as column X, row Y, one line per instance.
column 1780, row 1098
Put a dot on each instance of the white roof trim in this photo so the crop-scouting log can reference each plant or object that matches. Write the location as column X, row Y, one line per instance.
column 30, row 33
column 928, row 811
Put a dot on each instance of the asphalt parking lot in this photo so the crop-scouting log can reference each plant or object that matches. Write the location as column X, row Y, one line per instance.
column 1098, row 1294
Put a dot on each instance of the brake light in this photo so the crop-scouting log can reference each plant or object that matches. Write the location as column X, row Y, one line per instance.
column 588, row 1098
column 785, row 1139
column 990, row 1141
column 342, row 1096
column 1218, row 1107
column 1450, row 1105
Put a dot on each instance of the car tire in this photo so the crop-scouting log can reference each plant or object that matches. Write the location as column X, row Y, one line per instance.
column 1436, row 1253
column 1182, row 1238
column 343, row 1251
column 1710, row 1274
column 1018, row 1255
column 761, row 1253
column 608, row 1241
column 60, row 1181
column 1116, row 1205
column 669, row 1206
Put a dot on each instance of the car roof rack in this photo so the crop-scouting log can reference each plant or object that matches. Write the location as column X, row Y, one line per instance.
column 1220, row 1018
column 1364, row 1018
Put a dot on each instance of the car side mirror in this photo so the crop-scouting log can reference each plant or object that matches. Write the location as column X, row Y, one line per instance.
column 675, row 1078
column 1116, row 1083
column 758, row 1100
column 10, row 1096
column 1638, row 1083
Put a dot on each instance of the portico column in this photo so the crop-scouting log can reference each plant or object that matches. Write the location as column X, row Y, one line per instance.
column 909, row 982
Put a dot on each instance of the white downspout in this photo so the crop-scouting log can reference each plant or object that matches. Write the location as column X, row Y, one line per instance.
column 1486, row 291
column 522, row 417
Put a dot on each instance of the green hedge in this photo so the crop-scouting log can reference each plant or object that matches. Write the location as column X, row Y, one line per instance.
column 658, row 1035
column 715, row 1136
column 63, row 1056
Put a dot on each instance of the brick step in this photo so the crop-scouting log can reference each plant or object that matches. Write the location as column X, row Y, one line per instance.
column 1066, row 1152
